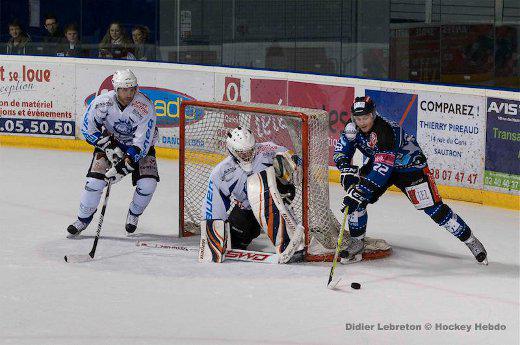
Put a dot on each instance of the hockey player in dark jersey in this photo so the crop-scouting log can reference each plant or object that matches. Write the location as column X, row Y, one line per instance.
column 394, row 158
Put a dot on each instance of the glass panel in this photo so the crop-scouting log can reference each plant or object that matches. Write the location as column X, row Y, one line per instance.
column 255, row 35
column 507, row 57
column 110, row 38
column 365, row 48
column 464, row 42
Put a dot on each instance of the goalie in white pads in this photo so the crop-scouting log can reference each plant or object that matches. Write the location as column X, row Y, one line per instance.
column 120, row 124
column 249, row 191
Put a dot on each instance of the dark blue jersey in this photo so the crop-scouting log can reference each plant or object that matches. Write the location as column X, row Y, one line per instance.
column 388, row 148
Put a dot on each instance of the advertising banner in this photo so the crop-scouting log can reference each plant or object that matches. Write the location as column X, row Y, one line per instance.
column 37, row 99
column 502, row 169
column 165, row 88
column 397, row 107
column 334, row 99
column 450, row 131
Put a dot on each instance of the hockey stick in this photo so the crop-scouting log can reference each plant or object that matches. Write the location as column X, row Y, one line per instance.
column 90, row 256
column 332, row 284
column 231, row 254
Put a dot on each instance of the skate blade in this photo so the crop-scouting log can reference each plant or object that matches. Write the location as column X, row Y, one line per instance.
column 354, row 259
column 75, row 236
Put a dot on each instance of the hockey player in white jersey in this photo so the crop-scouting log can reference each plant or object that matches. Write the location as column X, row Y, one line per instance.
column 121, row 126
column 249, row 191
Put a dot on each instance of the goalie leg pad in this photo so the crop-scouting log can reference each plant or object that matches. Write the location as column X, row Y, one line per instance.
column 214, row 235
column 276, row 218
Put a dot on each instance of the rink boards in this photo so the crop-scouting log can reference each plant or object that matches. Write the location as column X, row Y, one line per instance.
column 471, row 136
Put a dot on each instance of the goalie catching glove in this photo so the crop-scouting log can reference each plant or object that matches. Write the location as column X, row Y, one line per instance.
column 287, row 167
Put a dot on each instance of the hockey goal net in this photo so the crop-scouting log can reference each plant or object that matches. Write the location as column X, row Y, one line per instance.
column 203, row 131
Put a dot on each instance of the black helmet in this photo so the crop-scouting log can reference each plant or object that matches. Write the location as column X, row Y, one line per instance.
column 362, row 106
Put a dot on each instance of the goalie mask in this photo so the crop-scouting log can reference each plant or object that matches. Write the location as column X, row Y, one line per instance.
column 241, row 145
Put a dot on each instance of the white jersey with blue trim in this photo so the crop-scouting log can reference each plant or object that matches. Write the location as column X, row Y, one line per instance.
column 227, row 184
column 135, row 125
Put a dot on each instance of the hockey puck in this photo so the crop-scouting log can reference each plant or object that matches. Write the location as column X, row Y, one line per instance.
column 65, row 257
column 356, row 286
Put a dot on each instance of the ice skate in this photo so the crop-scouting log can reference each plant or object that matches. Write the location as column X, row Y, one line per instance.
column 477, row 249
column 353, row 252
column 131, row 222
column 77, row 227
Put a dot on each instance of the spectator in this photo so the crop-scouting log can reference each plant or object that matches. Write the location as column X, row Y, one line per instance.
column 52, row 37
column 142, row 51
column 115, row 44
column 19, row 41
column 71, row 46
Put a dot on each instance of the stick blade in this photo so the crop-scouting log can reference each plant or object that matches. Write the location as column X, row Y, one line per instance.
column 77, row 258
column 333, row 283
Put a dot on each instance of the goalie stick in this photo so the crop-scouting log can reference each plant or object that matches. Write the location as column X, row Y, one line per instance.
column 231, row 254
column 332, row 283
column 90, row 256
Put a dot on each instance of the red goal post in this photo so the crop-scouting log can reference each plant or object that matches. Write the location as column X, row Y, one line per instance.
column 202, row 135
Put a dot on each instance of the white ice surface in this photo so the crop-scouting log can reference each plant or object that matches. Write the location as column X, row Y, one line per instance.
column 131, row 295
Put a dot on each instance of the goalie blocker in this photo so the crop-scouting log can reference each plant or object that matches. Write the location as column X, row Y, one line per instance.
column 272, row 211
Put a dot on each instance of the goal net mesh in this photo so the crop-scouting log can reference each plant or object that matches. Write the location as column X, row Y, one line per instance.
column 204, row 128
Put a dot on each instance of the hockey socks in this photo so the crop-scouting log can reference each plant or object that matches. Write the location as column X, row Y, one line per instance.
column 445, row 217
column 357, row 222
column 142, row 195
column 90, row 199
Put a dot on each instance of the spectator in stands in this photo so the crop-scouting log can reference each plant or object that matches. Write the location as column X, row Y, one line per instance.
column 53, row 37
column 72, row 46
column 115, row 44
column 142, row 51
column 19, row 41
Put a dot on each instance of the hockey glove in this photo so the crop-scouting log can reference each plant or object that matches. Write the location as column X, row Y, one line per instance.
column 120, row 170
column 108, row 144
column 349, row 176
column 353, row 198
column 104, row 141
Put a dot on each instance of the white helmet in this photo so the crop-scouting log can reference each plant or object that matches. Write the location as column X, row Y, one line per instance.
column 241, row 145
column 124, row 79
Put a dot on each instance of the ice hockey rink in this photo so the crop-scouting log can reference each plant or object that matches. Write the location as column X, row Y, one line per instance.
column 136, row 295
